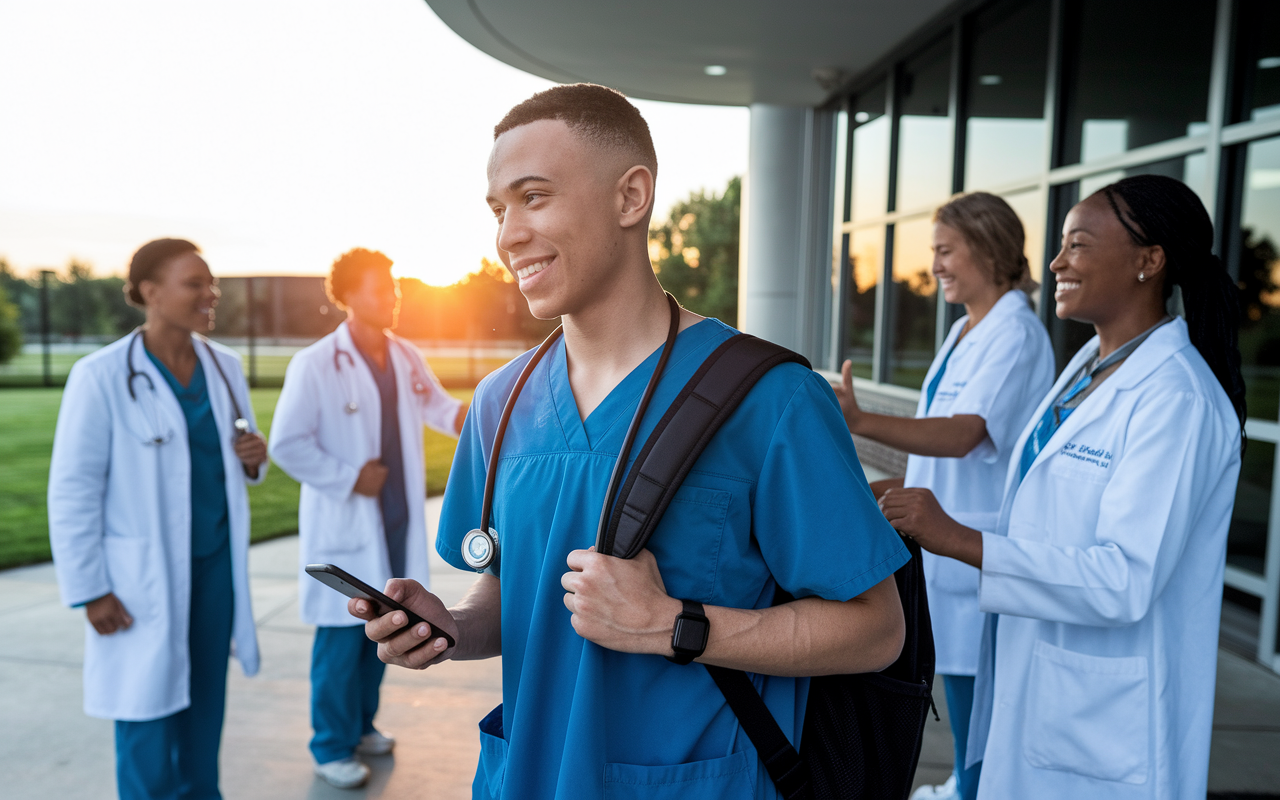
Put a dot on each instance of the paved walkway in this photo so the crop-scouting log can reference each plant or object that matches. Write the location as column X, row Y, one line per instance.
column 49, row 749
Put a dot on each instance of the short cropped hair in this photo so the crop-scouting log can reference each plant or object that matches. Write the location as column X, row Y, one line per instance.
column 349, row 269
column 601, row 115
column 148, row 262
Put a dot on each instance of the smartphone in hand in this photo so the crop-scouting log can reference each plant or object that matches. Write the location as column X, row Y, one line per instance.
column 339, row 579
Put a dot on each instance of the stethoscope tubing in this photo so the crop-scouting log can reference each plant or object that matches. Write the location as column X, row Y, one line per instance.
column 619, row 466
column 241, row 422
column 420, row 385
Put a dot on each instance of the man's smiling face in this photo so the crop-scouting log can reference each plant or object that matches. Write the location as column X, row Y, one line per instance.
column 554, row 196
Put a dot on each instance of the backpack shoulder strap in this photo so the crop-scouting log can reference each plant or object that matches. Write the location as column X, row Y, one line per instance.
column 706, row 401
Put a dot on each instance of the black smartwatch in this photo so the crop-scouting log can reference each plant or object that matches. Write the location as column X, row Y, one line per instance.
column 689, row 638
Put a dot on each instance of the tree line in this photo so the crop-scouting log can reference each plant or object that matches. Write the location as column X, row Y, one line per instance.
column 694, row 251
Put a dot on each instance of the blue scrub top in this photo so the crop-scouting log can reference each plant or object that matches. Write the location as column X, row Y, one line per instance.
column 210, row 523
column 392, row 499
column 778, row 495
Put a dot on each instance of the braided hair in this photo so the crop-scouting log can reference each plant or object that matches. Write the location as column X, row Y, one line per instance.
column 1164, row 212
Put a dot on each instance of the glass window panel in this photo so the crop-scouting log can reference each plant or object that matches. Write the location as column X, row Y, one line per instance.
column 870, row 154
column 1189, row 169
column 924, row 129
column 1125, row 90
column 915, row 302
column 866, row 260
column 1259, row 60
column 1030, row 208
column 1005, row 129
column 1258, row 259
column 1247, row 537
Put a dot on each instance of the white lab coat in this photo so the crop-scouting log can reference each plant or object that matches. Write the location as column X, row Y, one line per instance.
column 120, row 521
column 323, row 447
column 998, row 371
column 1106, row 570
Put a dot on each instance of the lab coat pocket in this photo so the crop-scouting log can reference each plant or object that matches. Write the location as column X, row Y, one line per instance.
column 132, row 579
column 493, row 752
column 715, row 779
column 1088, row 714
column 346, row 526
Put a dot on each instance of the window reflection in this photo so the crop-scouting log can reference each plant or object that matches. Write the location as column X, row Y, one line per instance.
column 1189, row 169
column 1258, row 258
column 1005, row 129
column 1247, row 537
column 1125, row 90
column 866, row 259
column 914, row 302
column 1259, row 60
column 924, row 129
column 870, row 182
column 1030, row 208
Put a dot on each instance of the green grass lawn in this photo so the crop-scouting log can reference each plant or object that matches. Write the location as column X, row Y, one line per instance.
column 27, row 418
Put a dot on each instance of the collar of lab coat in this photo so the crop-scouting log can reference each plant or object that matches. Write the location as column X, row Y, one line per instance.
column 1160, row 346
column 1009, row 304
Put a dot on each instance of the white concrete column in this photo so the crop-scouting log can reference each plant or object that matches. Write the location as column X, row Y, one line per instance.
column 784, row 285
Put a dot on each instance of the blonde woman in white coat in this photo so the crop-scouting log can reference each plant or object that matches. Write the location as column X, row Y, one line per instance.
column 348, row 427
column 149, row 522
column 994, row 366
column 1103, row 575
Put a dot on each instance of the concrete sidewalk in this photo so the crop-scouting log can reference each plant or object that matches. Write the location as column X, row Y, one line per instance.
column 49, row 749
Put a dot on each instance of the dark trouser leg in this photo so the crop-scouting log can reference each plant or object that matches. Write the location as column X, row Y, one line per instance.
column 959, row 689
column 371, row 672
column 199, row 727
column 337, row 691
column 146, row 768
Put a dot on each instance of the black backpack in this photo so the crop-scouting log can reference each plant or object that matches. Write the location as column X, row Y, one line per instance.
column 862, row 733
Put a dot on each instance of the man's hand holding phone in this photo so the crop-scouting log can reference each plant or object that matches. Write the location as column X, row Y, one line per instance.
column 411, row 647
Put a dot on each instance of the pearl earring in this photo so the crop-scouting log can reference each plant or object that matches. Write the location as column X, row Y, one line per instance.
column 1142, row 277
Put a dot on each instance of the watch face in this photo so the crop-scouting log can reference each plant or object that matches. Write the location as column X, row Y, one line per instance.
column 690, row 634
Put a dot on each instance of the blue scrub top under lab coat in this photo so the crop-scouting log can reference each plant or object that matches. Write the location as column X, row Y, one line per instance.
column 210, row 523
column 392, row 499
column 778, row 494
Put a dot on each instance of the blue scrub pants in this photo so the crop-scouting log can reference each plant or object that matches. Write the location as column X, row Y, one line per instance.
column 177, row 756
column 959, row 689
column 345, row 678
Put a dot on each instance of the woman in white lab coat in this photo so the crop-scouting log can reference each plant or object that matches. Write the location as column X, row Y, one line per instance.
column 1103, row 575
column 149, row 522
column 994, row 366
column 348, row 427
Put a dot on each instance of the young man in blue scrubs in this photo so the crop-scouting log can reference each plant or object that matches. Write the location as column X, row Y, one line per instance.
column 590, row 706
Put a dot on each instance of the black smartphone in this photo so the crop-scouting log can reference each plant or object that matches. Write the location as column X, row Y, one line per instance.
column 338, row 578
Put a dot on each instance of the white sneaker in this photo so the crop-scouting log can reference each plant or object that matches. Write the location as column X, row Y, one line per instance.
column 946, row 791
column 346, row 773
column 375, row 744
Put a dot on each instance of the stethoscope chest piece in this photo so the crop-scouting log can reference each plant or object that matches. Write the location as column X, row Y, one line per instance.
column 480, row 548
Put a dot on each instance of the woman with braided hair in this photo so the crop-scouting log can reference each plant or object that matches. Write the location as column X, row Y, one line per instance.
column 1102, row 580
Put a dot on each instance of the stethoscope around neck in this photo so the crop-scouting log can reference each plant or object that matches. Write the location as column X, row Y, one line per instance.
column 240, row 422
column 480, row 547
column 351, row 406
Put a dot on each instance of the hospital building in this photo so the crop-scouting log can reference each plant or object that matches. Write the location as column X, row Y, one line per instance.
column 865, row 115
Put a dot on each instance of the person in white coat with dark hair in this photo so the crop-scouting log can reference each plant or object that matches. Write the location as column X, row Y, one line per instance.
column 149, row 523
column 994, row 366
column 1102, row 578
column 348, row 426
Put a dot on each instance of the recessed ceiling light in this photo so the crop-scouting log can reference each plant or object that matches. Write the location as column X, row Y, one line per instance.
column 990, row 80
column 861, row 116
column 714, row 70
column 1270, row 62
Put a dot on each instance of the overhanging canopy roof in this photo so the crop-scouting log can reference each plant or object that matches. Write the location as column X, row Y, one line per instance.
column 659, row 49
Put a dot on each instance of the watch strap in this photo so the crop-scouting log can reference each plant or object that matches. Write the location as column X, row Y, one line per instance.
column 690, row 634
